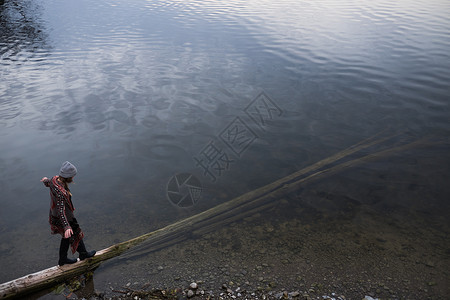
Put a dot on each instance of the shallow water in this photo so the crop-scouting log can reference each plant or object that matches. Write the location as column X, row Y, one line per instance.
column 134, row 93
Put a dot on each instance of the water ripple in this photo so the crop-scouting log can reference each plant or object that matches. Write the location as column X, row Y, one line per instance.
column 135, row 89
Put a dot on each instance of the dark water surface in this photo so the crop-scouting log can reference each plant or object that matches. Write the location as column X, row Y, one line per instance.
column 134, row 92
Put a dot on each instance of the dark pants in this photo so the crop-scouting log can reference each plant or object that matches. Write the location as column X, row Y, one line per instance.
column 64, row 247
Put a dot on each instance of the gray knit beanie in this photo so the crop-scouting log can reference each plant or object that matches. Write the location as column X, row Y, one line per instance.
column 67, row 170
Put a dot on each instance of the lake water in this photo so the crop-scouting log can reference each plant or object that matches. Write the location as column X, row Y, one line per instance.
column 236, row 93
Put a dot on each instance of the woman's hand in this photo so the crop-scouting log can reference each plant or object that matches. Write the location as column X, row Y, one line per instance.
column 68, row 233
column 43, row 179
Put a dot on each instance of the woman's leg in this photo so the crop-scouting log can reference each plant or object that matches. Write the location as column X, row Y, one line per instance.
column 83, row 252
column 63, row 248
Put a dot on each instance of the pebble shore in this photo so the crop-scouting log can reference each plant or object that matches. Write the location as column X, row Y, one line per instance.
column 300, row 254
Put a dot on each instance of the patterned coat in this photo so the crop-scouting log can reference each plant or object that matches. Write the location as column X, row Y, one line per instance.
column 61, row 216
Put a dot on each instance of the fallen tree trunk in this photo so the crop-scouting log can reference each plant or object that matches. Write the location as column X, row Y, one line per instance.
column 267, row 196
column 206, row 221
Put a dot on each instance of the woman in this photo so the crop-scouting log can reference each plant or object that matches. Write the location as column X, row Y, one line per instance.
column 62, row 219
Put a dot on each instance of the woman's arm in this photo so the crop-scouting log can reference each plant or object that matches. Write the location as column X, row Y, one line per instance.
column 61, row 210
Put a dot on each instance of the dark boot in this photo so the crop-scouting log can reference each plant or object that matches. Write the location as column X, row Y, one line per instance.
column 83, row 252
column 63, row 248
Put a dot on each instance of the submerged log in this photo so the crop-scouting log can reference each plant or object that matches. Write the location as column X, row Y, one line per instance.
column 206, row 221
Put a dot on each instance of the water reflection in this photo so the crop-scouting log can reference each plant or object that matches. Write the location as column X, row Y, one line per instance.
column 23, row 42
column 22, row 33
